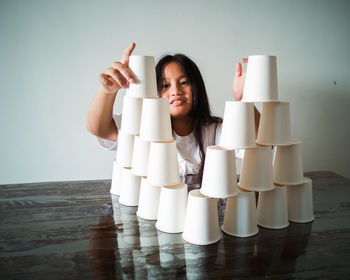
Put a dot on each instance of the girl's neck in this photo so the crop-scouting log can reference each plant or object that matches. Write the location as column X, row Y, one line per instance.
column 182, row 126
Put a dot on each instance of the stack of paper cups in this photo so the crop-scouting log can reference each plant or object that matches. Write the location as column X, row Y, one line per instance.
column 172, row 208
column 202, row 220
column 143, row 68
column 257, row 171
column 238, row 127
column 261, row 79
column 300, row 205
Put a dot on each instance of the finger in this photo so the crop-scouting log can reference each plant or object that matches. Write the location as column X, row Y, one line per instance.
column 238, row 72
column 126, row 54
column 106, row 80
column 245, row 60
column 119, row 78
column 125, row 71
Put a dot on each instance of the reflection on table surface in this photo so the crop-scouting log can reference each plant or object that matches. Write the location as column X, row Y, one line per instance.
column 77, row 229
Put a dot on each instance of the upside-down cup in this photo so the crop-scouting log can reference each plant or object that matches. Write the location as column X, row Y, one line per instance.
column 130, row 190
column 148, row 200
column 219, row 173
column 257, row 174
column 163, row 167
column 274, row 125
column 140, row 156
column 144, row 69
column 125, row 149
column 300, row 205
column 201, row 220
column 172, row 208
column 155, row 120
column 132, row 109
column 240, row 215
column 288, row 164
column 116, row 178
column 238, row 127
column 261, row 83
column 272, row 209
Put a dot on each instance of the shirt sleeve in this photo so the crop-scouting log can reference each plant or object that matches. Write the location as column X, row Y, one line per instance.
column 108, row 144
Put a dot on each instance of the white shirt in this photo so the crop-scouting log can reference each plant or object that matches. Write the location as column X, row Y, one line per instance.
column 187, row 146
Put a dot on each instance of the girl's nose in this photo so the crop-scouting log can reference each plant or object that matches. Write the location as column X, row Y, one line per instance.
column 175, row 90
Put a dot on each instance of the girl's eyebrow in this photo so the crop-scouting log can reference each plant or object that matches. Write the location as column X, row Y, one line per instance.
column 182, row 76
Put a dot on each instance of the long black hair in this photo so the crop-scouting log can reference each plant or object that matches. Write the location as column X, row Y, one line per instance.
column 200, row 113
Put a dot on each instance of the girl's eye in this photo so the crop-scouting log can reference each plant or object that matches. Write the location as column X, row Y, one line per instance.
column 165, row 86
column 184, row 83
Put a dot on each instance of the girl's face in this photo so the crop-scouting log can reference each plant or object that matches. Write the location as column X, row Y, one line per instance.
column 176, row 87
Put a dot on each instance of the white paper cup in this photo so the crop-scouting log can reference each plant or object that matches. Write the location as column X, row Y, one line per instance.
column 261, row 79
column 288, row 164
column 130, row 190
column 272, row 210
column 125, row 149
column 155, row 120
column 163, row 167
column 148, row 200
column 140, row 156
column 172, row 208
column 132, row 109
column 238, row 127
column 274, row 125
column 145, row 71
column 116, row 178
column 219, row 174
column 256, row 174
column 202, row 220
column 300, row 204
column 240, row 215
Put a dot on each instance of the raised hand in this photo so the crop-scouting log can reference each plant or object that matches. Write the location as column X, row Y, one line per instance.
column 238, row 80
column 118, row 75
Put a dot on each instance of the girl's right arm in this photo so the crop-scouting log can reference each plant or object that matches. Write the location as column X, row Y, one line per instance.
column 99, row 119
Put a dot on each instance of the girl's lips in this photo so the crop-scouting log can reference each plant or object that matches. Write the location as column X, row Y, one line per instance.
column 177, row 102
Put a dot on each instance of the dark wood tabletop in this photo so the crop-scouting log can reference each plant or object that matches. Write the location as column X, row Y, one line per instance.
column 73, row 230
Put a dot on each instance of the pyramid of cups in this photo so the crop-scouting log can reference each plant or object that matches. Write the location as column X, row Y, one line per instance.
column 145, row 172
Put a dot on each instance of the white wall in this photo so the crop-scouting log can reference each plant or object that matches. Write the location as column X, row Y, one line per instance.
column 52, row 52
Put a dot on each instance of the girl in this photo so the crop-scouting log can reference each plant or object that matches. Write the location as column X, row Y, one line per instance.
column 180, row 81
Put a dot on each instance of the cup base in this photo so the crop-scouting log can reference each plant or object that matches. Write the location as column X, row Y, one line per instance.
column 240, row 235
column 290, row 183
column 257, row 189
column 145, row 217
column 215, row 195
column 273, row 227
column 129, row 204
column 302, row 221
column 273, row 144
column 197, row 242
column 166, row 230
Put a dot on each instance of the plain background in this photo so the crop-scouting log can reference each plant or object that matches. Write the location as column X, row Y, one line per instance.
column 53, row 51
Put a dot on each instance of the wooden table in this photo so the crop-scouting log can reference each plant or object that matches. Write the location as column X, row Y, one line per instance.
column 70, row 230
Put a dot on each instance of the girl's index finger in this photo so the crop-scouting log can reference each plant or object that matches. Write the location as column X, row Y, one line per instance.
column 126, row 54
